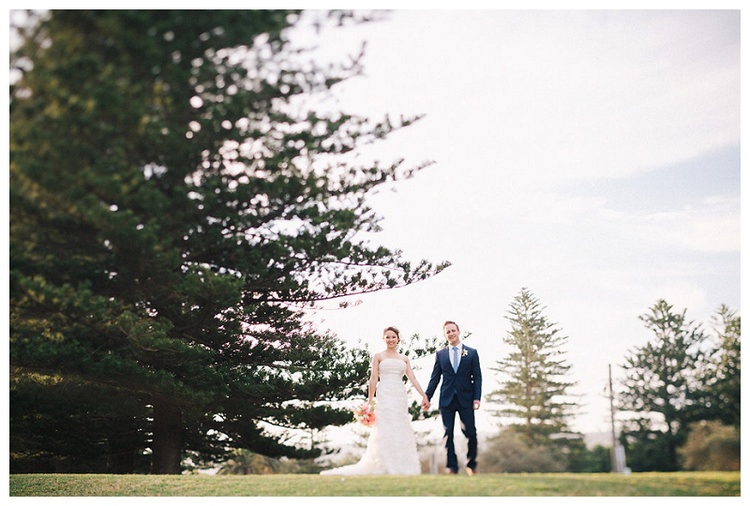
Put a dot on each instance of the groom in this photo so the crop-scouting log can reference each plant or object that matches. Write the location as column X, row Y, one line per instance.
column 460, row 393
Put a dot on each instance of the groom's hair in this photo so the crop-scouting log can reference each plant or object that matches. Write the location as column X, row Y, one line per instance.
column 448, row 322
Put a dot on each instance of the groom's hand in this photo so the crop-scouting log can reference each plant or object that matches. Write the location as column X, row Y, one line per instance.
column 476, row 405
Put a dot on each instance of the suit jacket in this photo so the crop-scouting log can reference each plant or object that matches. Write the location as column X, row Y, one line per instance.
column 466, row 382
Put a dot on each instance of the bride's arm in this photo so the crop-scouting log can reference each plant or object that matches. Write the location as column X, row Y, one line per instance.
column 374, row 374
column 413, row 379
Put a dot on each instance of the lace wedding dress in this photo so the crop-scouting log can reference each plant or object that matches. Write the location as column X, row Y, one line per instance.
column 391, row 447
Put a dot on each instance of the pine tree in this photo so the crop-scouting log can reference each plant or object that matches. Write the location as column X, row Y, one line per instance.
column 534, row 389
column 662, row 388
column 721, row 375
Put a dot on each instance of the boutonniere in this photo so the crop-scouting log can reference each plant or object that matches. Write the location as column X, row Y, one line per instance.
column 464, row 352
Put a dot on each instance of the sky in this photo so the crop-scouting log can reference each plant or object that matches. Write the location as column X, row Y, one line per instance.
column 592, row 157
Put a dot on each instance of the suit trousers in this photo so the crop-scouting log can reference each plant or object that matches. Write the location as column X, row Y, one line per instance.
column 468, row 427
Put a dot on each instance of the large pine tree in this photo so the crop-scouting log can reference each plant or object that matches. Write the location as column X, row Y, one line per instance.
column 177, row 199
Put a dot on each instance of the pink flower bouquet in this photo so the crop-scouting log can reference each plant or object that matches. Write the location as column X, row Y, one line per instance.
column 365, row 414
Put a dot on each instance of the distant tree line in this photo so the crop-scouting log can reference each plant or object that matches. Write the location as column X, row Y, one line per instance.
column 678, row 406
column 681, row 393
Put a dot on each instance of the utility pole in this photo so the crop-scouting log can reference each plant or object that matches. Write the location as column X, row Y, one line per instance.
column 613, row 455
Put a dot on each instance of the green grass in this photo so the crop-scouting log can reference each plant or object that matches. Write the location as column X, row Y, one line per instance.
column 515, row 485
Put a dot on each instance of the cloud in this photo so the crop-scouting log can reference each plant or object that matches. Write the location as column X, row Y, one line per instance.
column 559, row 94
column 712, row 227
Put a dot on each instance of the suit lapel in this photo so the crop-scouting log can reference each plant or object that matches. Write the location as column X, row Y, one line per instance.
column 462, row 357
column 447, row 357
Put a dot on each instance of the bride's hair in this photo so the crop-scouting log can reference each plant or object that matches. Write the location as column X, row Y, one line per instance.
column 393, row 329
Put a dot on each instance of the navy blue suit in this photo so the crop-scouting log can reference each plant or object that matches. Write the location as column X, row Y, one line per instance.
column 458, row 392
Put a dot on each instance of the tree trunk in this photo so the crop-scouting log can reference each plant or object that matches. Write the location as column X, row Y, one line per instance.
column 167, row 445
column 123, row 444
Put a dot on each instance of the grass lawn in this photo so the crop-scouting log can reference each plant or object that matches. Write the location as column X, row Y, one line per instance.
column 514, row 485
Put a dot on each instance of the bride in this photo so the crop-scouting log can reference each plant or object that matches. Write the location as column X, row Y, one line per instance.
column 392, row 446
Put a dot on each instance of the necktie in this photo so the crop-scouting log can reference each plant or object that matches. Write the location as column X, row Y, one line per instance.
column 455, row 359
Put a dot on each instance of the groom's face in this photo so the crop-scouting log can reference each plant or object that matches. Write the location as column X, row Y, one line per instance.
column 452, row 334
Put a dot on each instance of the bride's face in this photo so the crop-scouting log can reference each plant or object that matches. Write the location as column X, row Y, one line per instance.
column 391, row 339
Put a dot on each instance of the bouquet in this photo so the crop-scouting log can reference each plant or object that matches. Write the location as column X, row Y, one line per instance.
column 365, row 414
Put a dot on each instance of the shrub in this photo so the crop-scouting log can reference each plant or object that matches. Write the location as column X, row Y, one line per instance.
column 711, row 446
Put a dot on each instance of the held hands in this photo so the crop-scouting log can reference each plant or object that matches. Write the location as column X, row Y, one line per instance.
column 425, row 403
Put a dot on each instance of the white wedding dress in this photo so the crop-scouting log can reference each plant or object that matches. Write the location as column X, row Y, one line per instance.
column 392, row 446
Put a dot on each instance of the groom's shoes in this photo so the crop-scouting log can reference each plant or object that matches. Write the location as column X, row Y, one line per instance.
column 471, row 471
